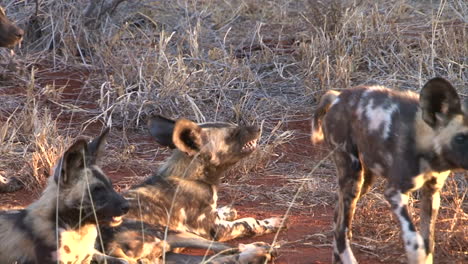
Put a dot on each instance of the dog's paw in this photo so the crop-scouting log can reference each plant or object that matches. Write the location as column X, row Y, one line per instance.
column 272, row 224
column 227, row 213
column 257, row 252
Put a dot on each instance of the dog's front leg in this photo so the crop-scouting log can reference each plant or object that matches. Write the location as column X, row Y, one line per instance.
column 430, row 203
column 414, row 243
column 228, row 230
column 100, row 258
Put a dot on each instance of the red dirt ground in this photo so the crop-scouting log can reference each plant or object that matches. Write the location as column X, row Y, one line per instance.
column 298, row 246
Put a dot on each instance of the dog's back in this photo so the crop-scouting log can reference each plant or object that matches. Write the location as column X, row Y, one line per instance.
column 366, row 119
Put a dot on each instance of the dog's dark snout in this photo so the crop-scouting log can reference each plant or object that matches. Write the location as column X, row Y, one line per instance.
column 253, row 129
column 125, row 206
column 19, row 33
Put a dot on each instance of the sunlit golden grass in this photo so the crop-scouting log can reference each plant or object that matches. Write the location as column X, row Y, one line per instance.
column 258, row 61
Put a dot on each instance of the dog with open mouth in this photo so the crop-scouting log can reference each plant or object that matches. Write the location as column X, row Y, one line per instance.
column 182, row 196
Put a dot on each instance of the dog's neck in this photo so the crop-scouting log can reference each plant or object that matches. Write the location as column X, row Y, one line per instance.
column 198, row 168
column 42, row 216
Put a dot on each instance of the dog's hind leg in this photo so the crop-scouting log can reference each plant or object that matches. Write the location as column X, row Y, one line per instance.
column 190, row 240
column 228, row 230
column 430, row 202
column 255, row 253
column 350, row 181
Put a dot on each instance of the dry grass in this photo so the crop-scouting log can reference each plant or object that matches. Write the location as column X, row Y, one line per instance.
column 254, row 61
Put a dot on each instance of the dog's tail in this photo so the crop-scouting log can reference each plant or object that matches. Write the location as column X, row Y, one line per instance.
column 325, row 102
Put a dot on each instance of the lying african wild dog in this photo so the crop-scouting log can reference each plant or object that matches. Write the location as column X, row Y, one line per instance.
column 10, row 35
column 77, row 196
column 413, row 142
column 183, row 196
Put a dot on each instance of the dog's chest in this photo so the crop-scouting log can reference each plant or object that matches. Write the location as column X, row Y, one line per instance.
column 77, row 246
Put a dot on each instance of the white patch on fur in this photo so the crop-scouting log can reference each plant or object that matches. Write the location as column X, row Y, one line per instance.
column 201, row 218
column 418, row 181
column 388, row 159
column 347, row 256
column 437, row 147
column 379, row 116
column 271, row 223
column 80, row 244
column 258, row 226
column 181, row 225
column 353, row 158
column 225, row 212
column 215, row 198
column 360, row 110
column 337, row 100
column 317, row 134
column 183, row 215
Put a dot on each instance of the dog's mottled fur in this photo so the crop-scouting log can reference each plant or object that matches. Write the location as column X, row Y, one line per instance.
column 414, row 142
column 182, row 195
column 61, row 226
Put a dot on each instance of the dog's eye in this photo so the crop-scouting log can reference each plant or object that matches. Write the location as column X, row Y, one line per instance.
column 98, row 189
column 234, row 134
column 460, row 139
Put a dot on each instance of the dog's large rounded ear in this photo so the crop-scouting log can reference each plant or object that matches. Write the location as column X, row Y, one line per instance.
column 187, row 136
column 96, row 147
column 161, row 129
column 439, row 102
column 70, row 167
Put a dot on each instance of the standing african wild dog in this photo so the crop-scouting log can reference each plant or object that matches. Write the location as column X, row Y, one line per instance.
column 413, row 142
column 183, row 194
column 10, row 35
column 61, row 227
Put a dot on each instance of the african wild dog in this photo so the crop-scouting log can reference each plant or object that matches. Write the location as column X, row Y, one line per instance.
column 183, row 195
column 412, row 141
column 61, row 227
column 10, row 34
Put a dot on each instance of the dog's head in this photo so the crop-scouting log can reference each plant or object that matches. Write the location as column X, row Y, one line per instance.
column 84, row 190
column 219, row 144
column 443, row 111
column 10, row 34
